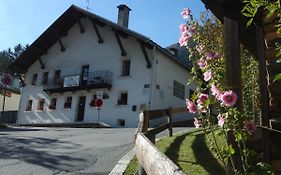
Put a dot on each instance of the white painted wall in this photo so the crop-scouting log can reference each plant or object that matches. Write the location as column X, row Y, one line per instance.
column 166, row 71
column 84, row 49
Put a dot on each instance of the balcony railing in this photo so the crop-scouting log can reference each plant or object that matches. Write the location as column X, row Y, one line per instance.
column 91, row 80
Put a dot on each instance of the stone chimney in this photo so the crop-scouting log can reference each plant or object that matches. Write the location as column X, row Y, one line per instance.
column 123, row 15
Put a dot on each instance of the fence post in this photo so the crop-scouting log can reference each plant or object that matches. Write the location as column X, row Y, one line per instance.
column 144, row 120
column 170, row 121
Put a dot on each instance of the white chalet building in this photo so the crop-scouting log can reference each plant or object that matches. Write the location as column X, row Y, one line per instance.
column 82, row 57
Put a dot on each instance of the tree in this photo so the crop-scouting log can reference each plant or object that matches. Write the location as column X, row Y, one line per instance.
column 7, row 57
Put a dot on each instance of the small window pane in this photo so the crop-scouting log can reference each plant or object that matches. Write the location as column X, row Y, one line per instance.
column 34, row 79
column 41, row 104
column 53, row 104
column 126, row 68
column 68, row 102
column 29, row 105
column 179, row 90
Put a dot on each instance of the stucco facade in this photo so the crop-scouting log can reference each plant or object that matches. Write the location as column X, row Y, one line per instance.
column 146, row 88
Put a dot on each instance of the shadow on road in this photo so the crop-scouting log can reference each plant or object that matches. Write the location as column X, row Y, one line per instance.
column 36, row 150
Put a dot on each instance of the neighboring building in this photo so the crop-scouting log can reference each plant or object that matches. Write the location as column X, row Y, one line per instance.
column 9, row 98
column 82, row 57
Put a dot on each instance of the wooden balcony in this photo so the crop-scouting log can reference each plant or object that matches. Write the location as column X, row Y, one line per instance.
column 70, row 83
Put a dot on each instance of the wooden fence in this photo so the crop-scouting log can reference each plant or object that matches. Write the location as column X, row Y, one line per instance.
column 151, row 160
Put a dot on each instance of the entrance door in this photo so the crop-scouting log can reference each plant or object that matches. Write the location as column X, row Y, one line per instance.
column 81, row 108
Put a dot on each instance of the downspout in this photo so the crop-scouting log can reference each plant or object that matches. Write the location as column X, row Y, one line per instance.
column 153, row 79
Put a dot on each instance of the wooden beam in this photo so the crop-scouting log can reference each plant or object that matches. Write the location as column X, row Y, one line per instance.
column 60, row 32
column 42, row 51
column 272, row 36
column 270, row 27
column 152, row 160
column 148, row 62
column 271, row 54
column 154, row 114
column 232, row 55
column 123, row 52
column 42, row 66
column 62, row 48
column 233, row 73
column 263, row 90
column 97, row 32
column 82, row 29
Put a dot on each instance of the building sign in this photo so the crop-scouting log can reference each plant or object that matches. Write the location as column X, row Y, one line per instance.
column 99, row 94
column 72, row 81
column 6, row 93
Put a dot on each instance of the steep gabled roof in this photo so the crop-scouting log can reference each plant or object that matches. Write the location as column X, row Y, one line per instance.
column 60, row 27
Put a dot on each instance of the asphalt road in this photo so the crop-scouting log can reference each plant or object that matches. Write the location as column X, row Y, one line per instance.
column 71, row 151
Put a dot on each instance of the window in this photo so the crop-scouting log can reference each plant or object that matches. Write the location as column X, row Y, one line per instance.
column 67, row 103
column 121, row 122
column 126, row 68
column 179, row 90
column 29, row 105
column 123, row 99
column 34, row 79
column 191, row 92
column 57, row 75
column 45, row 78
column 41, row 104
column 53, row 104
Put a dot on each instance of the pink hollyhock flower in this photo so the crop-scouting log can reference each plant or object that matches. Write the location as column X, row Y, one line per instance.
column 197, row 123
column 201, row 108
column 217, row 55
column 250, row 126
column 202, row 63
column 184, row 39
column 209, row 55
column 229, row 98
column 185, row 13
column 191, row 106
column 216, row 92
column 202, row 98
column 220, row 120
column 207, row 75
column 183, row 28
column 199, row 48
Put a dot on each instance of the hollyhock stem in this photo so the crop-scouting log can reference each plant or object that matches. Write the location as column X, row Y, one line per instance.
column 229, row 155
column 242, row 157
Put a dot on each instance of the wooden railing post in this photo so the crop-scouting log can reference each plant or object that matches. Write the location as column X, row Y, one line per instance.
column 145, row 121
column 143, row 127
column 170, row 121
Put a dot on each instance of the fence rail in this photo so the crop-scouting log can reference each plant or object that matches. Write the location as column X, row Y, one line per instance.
column 151, row 160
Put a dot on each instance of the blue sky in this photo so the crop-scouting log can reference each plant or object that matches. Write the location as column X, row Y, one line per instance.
column 22, row 21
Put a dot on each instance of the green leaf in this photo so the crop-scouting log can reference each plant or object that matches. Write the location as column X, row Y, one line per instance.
column 231, row 150
column 250, row 22
column 277, row 77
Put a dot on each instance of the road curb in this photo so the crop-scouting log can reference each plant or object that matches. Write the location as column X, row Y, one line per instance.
column 122, row 164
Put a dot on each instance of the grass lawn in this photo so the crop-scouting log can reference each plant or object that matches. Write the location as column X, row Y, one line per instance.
column 190, row 151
